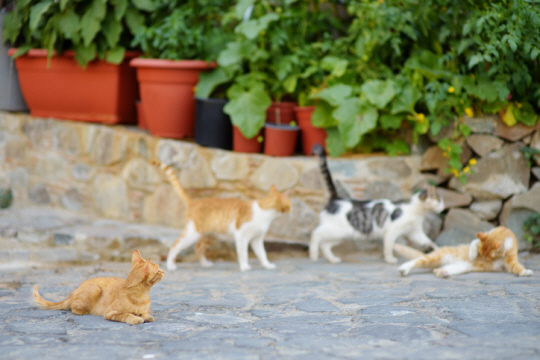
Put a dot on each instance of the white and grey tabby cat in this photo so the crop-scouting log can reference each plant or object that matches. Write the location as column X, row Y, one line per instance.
column 343, row 219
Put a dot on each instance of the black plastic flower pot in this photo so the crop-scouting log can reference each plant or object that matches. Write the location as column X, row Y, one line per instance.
column 213, row 127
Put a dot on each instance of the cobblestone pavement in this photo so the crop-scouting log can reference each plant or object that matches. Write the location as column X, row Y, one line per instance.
column 360, row 308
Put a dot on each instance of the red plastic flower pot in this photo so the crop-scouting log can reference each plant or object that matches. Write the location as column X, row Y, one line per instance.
column 280, row 140
column 310, row 134
column 245, row 145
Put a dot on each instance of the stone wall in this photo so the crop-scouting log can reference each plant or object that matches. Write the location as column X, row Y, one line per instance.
column 104, row 171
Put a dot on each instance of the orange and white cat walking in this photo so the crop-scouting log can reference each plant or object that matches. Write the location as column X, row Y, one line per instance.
column 496, row 250
column 113, row 298
column 246, row 220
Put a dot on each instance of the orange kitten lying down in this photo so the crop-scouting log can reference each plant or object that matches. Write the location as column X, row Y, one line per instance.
column 495, row 250
column 113, row 298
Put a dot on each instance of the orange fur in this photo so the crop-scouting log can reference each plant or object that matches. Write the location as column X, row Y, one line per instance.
column 219, row 216
column 113, row 298
column 499, row 243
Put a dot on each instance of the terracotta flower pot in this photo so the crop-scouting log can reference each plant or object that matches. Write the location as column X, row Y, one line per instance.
column 102, row 92
column 281, row 113
column 242, row 144
column 280, row 140
column 166, row 88
column 141, row 122
column 310, row 134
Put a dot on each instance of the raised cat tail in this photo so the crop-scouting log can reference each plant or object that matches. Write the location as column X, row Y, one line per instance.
column 47, row 305
column 173, row 179
column 319, row 151
column 407, row 251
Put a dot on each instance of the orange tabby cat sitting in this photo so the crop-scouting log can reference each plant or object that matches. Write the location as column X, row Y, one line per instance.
column 113, row 298
column 496, row 250
column 246, row 220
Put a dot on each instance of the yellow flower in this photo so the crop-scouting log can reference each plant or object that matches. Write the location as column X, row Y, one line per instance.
column 445, row 154
column 466, row 170
column 451, row 89
column 472, row 162
column 469, row 112
column 519, row 105
column 421, row 117
column 455, row 172
column 260, row 139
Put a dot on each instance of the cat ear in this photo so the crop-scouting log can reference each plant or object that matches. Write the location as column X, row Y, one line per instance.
column 273, row 189
column 136, row 257
column 481, row 236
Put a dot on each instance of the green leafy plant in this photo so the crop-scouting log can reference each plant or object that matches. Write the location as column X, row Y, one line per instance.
column 185, row 30
column 92, row 28
column 532, row 155
column 531, row 226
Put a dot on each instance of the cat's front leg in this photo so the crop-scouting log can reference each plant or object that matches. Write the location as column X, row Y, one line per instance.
column 473, row 250
column 125, row 318
column 242, row 252
column 388, row 245
column 422, row 240
column 257, row 245
column 405, row 268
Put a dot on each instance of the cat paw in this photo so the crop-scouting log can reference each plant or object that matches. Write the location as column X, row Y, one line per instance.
column 207, row 264
column 426, row 249
column 403, row 271
column 135, row 320
column 334, row 260
column 270, row 266
column 441, row 273
column 526, row 272
column 148, row 318
column 390, row 259
column 245, row 267
column 171, row 266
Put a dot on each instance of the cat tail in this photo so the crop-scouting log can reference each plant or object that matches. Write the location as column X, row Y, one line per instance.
column 407, row 252
column 44, row 304
column 173, row 179
column 320, row 152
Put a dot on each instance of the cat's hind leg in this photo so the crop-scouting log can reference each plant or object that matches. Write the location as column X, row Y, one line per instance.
column 455, row 268
column 419, row 238
column 200, row 251
column 405, row 268
column 189, row 237
column 84, row 298
column 325, row 238
column 326, row 249
column 257, row 245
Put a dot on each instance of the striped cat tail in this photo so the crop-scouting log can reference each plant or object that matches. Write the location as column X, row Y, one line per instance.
column 407, row 252
column 173, row 179
column 47, row 305
column 319, row 151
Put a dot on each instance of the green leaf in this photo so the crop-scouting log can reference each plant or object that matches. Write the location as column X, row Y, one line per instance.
column 406, row 100
column 512, row 44
column 355, row 119
column 334, row 95
column 322, row 116
column 252, row 28
column 98, row 9
column 208, row 81
column 534, row 53
column 120, row 9
column 37, row 11
column 475, row 59
column 69, row 24
column 63, row 4
column 334, row 65
column 116, row 55
column 247, row 106
column 134, row 20
column 111, row 29
column 397, row 147
column 379, row 92
column 334, row 142
column 147, row 5
column 85, row 54
column 391, row 121
column 89, row 28
column 241, row 7
column 234, row 53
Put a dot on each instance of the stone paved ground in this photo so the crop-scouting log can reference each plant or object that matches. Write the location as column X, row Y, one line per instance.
column 357, row 309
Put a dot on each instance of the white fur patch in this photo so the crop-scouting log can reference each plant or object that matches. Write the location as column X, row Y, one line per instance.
column 508, row 242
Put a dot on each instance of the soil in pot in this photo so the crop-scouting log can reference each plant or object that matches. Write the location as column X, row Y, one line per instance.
column 280, row 140
column 213, row 127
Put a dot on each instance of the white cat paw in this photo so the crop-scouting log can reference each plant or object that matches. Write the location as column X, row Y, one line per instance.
column 270, row 266
column 171, row 266
column 391, row 259
column 207, row 263
column 245, row 267
column 334, row 260
column 403, row 270
column 441, row 273
column 526, row 272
